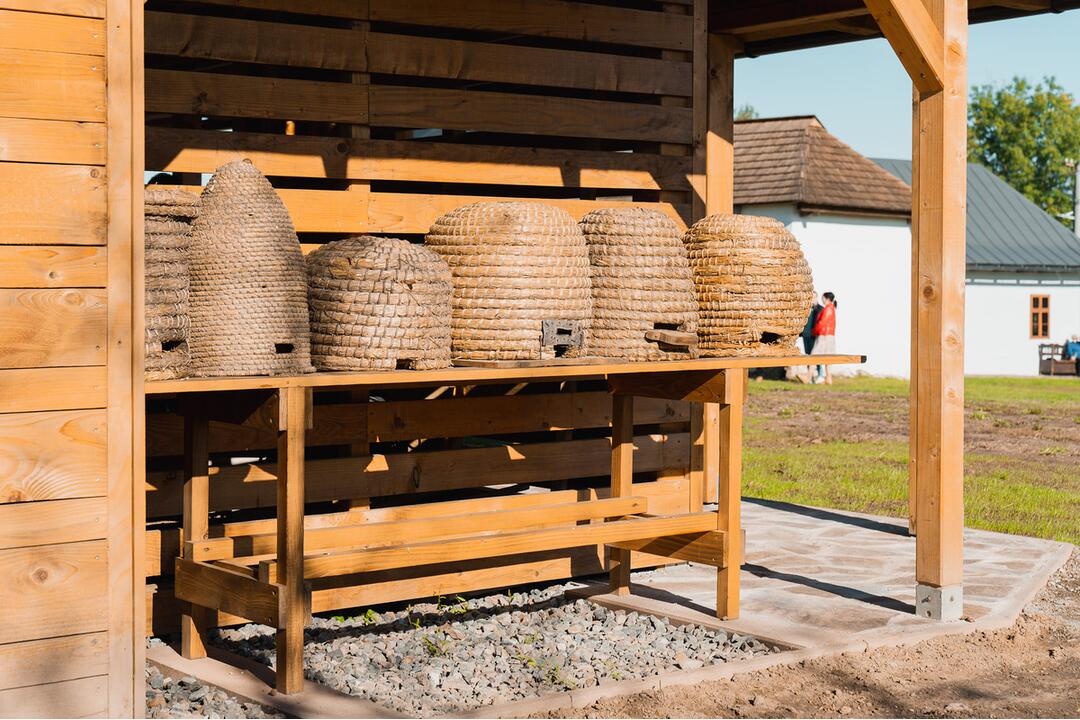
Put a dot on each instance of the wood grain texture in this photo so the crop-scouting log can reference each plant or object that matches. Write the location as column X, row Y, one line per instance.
column 52, row 141
column 180, row 150
column 54, row 33
column 37, row 662
column 52, row 455
column 706, row 548
column 915, row 39
column 52, row 266
column 52, row 328
column 210, row 586
column 52, row 86
column 77, row 8
column 199, row 93
column 52, row 522
column 353, row 9
column 52, row 204
column 51, row 389
column 85, row 697
column 622, row 481
column 415, row 107
column 54, row 590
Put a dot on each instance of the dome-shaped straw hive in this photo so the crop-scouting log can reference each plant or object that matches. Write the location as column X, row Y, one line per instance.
column 643, row 290
column 378, row 303
column 168, row 216
column 754, row 287
column 521, row 281
column 249, row 311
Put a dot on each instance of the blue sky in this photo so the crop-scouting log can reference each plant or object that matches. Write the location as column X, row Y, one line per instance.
column 862, row 95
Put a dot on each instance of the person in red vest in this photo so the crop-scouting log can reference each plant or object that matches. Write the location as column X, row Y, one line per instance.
column 825, row 335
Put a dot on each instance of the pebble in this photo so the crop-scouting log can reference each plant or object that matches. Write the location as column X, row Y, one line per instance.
column 188, row 697
column 445, row 658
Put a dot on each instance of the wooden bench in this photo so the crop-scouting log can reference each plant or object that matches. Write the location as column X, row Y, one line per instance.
column 260, row 573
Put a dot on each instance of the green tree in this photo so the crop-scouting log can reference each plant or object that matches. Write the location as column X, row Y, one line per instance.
column 1025, row 133
column 746, row 112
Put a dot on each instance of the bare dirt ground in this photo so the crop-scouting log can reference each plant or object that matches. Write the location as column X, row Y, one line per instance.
column 1029, row 670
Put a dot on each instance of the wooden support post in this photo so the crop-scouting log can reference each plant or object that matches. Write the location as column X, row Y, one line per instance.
column 195, row 621
column 622, row 479
column 292, row 422
column 939, row 208
column 728, row 518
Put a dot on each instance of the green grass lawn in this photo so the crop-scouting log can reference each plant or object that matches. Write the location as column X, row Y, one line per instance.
column 1030, row 492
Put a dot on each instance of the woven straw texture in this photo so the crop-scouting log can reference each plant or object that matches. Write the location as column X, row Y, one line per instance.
column 249, row 311
column 514, row 264
column 378, row 303
column 641, row 281
column 168, row 216
column 754, row 287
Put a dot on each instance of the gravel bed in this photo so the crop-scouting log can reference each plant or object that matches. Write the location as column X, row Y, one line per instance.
column 188, row 697
column 438, row 658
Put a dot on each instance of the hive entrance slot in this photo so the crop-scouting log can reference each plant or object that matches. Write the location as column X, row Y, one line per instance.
column 171, row 345
column 768, row 338
column 560, row 335
column 404, row 364
column 283, row 348
column 666, row 326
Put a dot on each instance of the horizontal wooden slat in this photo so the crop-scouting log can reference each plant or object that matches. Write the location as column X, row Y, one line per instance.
column 85, row 697
column 703, row 547
column 52, row 266
column 52, row 522
column 181, row 150
column 52, row 389
column 545, row 18
column 416, row 107
column 37, row 662
column 253, row 486
column 51, row 86
column 250, row 41
column 52, row 328
column 78, row 8
column 52, row 204
column 214, row 587
column 497, row 545
column 244, row 96
column 353, row 9
column 54, row 33
column 408, row 531
column 409, row 419
column 52, row 141
column 53, row 590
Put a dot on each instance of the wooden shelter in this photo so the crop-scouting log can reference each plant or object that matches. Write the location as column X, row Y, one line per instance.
column 377, row 116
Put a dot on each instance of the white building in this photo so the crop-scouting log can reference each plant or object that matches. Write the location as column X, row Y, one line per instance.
column 852, row 216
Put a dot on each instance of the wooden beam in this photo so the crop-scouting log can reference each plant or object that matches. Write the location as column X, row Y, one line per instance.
column 730, row 495
column 720, row 140
column 915, row 38
column 939, row 209
column 210, row 586
column 293, row 413
column 699, row 386
column 622, row 481
column 706, row 548
column 194, row 623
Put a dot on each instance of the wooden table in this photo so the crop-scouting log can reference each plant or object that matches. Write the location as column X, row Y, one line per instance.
column 267, row 586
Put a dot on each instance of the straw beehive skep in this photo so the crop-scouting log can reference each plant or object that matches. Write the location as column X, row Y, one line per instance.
column 641, row 281
column 249, row 313
column 378, row 303
column 167, row 215
column 753, row 285
column 514, row 265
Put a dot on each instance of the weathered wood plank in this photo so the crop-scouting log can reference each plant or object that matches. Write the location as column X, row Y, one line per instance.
column 52, row 522
column 37, row 662
column 77, row 8
column 53, row 33
column 52, row 141
column 52, row 455
column 180, row 150
column 52, row 328
column 52, row 204
column 51, row 389
column 51, row 86
column 198, row 93
column 54, row 590
column 85, row 697
column 415, row 107
column 52, row 266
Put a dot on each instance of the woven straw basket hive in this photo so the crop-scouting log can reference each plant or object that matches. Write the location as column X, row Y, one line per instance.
column 168, row 216
column 754, row 287
column 514, row 266
column 378, row 303
column 249, row 311
column 641, row 283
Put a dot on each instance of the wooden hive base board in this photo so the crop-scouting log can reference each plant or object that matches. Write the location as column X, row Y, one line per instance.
column 458, row 362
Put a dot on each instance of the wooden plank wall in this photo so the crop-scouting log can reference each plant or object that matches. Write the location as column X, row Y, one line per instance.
column 65, row 472
column 377, row 116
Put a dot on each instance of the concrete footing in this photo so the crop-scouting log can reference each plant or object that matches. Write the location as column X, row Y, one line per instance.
column 939, row 603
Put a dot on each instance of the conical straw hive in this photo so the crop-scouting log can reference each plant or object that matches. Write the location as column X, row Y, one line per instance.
column 168, row 216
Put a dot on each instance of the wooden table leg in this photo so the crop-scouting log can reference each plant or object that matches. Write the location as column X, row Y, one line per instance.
column 292, row 423
column 195, row 621
column 729, row 440
column 622, row 479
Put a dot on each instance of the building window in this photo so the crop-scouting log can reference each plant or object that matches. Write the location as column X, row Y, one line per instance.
column 1040, row 316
